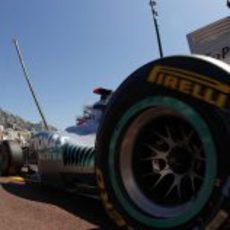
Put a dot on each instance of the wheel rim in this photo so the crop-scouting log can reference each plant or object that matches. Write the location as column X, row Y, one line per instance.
column 151, row 213
column 168, row 163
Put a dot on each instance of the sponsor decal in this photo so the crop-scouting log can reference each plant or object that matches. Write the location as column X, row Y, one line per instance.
column 223, row 53
column 195, row 85
column 217, row 221
column 221, row 216
column 112, row 212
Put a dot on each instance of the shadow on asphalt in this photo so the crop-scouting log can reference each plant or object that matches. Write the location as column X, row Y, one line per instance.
column 88, row 209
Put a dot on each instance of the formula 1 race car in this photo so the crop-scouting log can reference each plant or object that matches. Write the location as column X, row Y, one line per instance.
column 155, row 150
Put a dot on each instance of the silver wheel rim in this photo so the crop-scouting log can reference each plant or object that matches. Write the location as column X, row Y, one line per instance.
column 174, row 170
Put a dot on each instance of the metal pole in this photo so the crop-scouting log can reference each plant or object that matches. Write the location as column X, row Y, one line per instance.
column 26, row 75
column 152, row 3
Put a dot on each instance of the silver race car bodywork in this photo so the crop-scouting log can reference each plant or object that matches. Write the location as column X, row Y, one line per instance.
column 66, row 159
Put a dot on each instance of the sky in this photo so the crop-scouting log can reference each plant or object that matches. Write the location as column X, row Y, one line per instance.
column 71, row 47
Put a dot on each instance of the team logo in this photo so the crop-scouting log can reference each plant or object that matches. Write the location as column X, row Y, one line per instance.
column 198, row 86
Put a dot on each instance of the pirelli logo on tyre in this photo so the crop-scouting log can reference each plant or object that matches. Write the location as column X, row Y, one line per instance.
column 197, row 86
column 111, row 211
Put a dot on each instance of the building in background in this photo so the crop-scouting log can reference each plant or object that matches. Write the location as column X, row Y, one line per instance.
column 21, row 136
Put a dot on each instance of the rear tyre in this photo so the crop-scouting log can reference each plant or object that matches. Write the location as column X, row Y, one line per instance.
column 4, row 160
column 162, row 156
column 11, row 158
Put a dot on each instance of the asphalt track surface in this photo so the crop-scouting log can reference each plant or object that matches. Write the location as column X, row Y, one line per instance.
column 28, row 206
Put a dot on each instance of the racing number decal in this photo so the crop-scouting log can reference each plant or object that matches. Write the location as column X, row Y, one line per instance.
column 113, row 214
column 198, row 86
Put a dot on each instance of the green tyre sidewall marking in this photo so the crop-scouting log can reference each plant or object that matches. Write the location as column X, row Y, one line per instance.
column 209, row 150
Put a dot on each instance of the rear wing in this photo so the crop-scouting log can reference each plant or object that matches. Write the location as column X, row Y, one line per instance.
column 104, row 93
